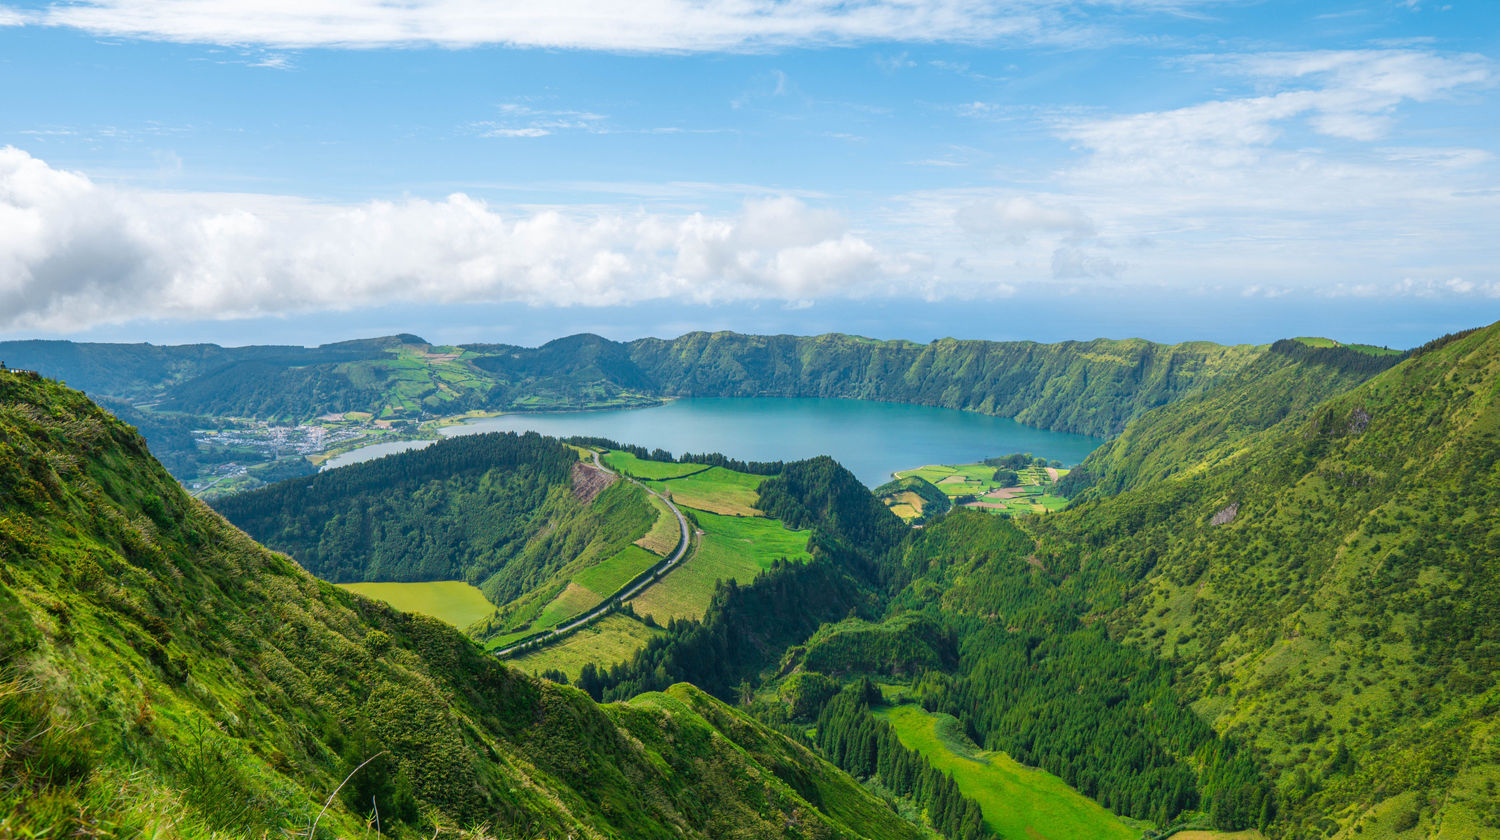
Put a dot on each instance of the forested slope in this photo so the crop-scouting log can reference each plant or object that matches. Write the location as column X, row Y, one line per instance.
column 1327, row 591
column 1088, row 387
column 162, row 675
column 1288, row 381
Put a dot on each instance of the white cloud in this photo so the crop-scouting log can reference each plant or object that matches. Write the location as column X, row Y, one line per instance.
column 654, row 25
column 516, row 132
column 1240, row 193
column 1017, row 218
column 74, row 253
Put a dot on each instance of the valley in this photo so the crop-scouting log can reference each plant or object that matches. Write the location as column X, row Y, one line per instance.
column 976, row 654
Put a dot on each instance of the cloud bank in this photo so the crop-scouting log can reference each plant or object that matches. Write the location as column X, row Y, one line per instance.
column 74, row 253
column 1294, row 186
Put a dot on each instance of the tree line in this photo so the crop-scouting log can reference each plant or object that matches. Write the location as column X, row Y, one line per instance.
column 867, row 747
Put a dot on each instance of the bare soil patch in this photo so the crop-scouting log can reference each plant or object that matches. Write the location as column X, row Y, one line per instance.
column 589, row 481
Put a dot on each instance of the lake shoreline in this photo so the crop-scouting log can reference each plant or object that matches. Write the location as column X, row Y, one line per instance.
column 872, row 438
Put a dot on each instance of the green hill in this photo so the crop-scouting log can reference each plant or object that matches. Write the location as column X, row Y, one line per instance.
column 1289, row 381
column 162, row 675
column 1325, row 587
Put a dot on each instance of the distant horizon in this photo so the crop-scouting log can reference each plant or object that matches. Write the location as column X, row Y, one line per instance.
column 1237, row 321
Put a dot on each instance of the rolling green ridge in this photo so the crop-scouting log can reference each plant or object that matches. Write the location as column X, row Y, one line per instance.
column 507, row 513
column 1288, row 382
column 921, row 500
column 162, row 675
column 1326, row 592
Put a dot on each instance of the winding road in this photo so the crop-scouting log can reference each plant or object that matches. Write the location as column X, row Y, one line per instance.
column 622, row 596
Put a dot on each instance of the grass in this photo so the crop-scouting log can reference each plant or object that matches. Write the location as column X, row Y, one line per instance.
column 716, row 490
column 614, row 638
column 649, row 470
column 1367, row 349
column 956, row 480
column 452, row 601
column 573, row 600
column 664, row 535
column 1017, row 801
column 608, row 577
column 731, row 548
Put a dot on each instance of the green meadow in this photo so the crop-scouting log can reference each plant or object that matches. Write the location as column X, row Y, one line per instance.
column 607, row 578
column 716, row 490
column 630, row 465
column 1017, row 801
column 1032, row 495
column 664, row 535
column 731, row 548
column 613, row 638
column 452, row 601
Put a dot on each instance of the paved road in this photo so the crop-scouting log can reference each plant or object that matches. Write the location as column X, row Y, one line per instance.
column 621, row 597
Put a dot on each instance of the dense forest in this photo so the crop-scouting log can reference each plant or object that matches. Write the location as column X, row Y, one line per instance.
column 868, row 748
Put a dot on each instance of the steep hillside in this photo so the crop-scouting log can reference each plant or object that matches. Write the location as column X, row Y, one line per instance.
column 1327, row 590
column 515, row 515
column 1089, row 387
column 1288, row 381
column 162, row 675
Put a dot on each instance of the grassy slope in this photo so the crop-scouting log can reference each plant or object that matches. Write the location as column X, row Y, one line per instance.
column 731, row 548
column 453, row 601
column 1205, row 428
column 717, row 490
column 164, row 675
column 649, row 470
column 1018, row 801
column 664, row 535
column 839, row 796
column 1350, row 601
column 612, row 639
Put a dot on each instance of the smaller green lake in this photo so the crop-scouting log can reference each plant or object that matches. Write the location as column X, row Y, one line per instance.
column 872, row 439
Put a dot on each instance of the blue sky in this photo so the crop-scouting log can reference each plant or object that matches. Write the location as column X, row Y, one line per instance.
column 207, row 170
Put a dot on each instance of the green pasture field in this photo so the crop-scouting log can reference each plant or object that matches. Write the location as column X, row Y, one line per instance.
column 572, row 601
column 977, row 479
column 664, row 535
column 716, row 490
column 1367, row 349
column 613, row 638
column 731, row 548
column 1018, row 801
column 607, row 578
column 452, row 601
column 648, row 470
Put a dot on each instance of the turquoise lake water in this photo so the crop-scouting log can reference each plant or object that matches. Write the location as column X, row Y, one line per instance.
column 872, row 439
